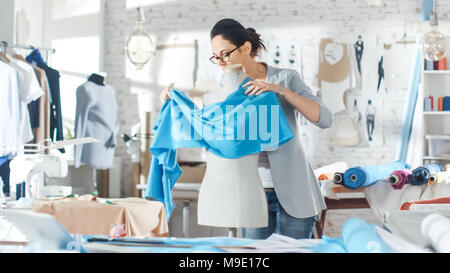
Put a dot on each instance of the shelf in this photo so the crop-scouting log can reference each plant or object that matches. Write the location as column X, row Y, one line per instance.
column 437, row 158
column 437, row 113
column 436, row 72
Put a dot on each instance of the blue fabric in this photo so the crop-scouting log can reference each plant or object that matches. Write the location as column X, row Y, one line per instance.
column 281, row 222
column 3, row 159
column 368, row 175
column 182, row 124
column 421, row 174
column 357, row 236
column 427, row 8
column 410, row 105
column 206, row 244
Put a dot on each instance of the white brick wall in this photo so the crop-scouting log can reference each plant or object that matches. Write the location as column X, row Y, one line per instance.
column 283, row 22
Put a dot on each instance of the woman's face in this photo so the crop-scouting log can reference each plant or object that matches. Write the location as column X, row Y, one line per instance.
column 221, row 48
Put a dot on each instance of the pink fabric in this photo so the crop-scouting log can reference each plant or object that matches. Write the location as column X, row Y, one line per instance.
column 403, row 176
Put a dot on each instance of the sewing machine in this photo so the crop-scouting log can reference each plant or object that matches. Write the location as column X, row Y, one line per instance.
column 39, row 171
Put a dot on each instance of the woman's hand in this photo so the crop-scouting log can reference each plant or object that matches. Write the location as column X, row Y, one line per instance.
column 165, row 94
column 259, row 86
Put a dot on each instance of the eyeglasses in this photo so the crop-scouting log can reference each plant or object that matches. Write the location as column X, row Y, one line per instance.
column 225, row 57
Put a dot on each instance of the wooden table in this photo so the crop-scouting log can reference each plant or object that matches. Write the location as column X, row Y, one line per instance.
column 342, row 203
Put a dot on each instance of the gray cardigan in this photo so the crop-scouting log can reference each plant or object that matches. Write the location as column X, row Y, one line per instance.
column 294, row 181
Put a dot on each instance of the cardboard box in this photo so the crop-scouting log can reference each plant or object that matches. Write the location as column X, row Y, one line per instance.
column 192, row 174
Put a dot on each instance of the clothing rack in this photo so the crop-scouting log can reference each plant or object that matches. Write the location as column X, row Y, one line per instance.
column 4, row 45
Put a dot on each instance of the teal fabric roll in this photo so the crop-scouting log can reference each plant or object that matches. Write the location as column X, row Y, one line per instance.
column 367, row 175
column 357, row 236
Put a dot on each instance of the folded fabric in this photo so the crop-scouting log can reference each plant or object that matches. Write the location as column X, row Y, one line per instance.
column 421, row 174
column 399, row 178
column 362, row 176
column 89, row 215
column 357, row 236
column 443, row 200
column 219, row 127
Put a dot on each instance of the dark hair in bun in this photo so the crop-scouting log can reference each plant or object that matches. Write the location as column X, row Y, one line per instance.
column 236, row 33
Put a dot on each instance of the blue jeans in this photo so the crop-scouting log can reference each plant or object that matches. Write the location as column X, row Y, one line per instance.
column 281, row 222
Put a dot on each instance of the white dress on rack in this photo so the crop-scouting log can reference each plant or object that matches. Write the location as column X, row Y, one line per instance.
column 231, row 194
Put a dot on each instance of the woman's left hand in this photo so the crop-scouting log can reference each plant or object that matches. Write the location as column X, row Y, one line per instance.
column 257, row 87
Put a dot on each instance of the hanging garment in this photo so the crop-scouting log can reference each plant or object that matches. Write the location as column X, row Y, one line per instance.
column 96, row 116
column 29, row 90
column 40, row 109
column 56, row 128
column 214, row 128
column 362, row 176
column 10, row 114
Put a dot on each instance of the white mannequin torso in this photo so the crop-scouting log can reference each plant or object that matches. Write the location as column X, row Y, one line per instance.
column 231, row 194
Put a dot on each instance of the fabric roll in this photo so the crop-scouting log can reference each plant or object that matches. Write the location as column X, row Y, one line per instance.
column 446, row 103
column 427, row 106
column 447, row 167
column 362, row 176
column 439, row 177
column 442, row 64
column 357, row 236
column 429, row 65
column 421, row 174
column 338, row 178
column 326, row 176
column 441, row 104
column 436, row 228
column 399, row 178
column 182, row 124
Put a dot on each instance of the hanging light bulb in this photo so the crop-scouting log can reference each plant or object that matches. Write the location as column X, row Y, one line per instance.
column 139, row 47
column 434, row 43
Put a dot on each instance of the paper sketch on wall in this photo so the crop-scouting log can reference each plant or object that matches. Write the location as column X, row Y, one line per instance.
column 292, row 56
column 361, row 124
column 22, row 27
column 359, row 49
column 380, row 73
column 276, row 58
column 337, row 73
column 397, row 63
column 346, row 127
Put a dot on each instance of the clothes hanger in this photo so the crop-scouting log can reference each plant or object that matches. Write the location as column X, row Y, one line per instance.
column 4, row 57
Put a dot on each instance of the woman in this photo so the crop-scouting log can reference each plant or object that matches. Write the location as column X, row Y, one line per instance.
column 293, row 194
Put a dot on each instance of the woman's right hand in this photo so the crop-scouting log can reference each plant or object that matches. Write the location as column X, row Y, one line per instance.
column 165, row 94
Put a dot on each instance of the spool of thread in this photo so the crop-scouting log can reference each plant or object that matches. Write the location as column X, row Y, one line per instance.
column 447, row 167
column 440, row 177
column 429, row 65
column 442, row 64
column 399, row 178
column 432, row 102
column 427, row 105
column 435, row 65
column 446, row 103
column 441, row 104
column 338, row 178
column 422, row 174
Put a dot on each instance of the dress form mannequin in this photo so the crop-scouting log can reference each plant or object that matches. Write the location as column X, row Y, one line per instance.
column 231, row 194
